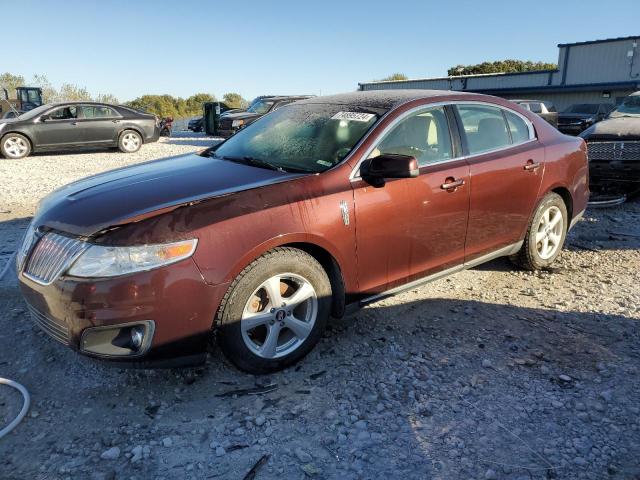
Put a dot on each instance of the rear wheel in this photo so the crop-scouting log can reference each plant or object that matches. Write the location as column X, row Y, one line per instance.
column 130, row 141
column 275, row 311
column 545, row 236
column 15, row 146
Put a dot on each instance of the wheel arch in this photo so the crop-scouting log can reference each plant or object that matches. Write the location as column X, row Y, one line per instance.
column 327, row 256
column 566, row 196
column 130, row 127
column 24, row 134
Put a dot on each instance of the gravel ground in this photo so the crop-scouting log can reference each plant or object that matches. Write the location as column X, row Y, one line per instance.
column 490, row 374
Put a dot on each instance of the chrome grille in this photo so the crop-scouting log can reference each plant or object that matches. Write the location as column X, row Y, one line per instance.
column 51, row 256
column 614, row 150
column 55, row 330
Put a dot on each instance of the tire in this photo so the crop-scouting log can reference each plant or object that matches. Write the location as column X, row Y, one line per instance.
column 248, row 321
column 543, row 242
column 15, row 146
column 129, row 141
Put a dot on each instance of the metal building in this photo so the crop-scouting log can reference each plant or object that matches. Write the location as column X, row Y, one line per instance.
column 598, row 71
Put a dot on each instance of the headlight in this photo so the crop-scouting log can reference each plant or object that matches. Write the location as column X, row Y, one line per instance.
column 100, row 261
column 237, row 123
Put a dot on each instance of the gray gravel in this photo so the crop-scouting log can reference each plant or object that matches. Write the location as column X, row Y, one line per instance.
column 490, row 374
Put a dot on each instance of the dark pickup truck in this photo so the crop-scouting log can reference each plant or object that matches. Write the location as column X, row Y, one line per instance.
column 581, row 116
column 541, row 108
column 230, row 123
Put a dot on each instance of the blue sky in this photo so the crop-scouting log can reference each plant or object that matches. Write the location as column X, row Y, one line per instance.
column 133, row 47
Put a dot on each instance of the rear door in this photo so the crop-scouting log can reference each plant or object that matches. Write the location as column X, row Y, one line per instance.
column 506, row 164
column 59, row 127
column 99, row 123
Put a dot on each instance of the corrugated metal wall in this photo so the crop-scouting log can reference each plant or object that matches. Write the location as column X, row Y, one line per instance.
column 611, row 61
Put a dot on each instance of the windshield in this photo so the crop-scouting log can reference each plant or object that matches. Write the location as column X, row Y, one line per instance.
column 300, row 138
column 35, row 112
column 630, row 105
column 589, row 108
column 260, row 107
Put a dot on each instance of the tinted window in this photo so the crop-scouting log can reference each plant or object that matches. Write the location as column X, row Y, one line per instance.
column 260, row 107
column 589, row 108
column 535, row 107
column 423, row 135
column 98, row 111
column 484, row 127
column 64, row 113
column 518, row 127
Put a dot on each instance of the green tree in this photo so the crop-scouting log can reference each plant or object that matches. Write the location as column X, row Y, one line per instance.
column 49, row 93
column 234, row 100
column 193, row 104
column 500, row 66
column 394, row 77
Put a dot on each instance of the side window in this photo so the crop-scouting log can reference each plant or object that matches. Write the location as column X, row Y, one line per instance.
column 424, row 135
column 518, row 127
column 536, row 107
column 484, row 127
column 98, row 111
column 64, row 113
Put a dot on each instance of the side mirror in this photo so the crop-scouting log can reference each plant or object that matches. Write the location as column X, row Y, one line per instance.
column 45, row 118
column 375, row 170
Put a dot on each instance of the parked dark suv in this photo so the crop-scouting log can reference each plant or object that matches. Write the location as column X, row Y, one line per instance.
column 76, row 124
column 581, row 116
column 230, row 123
column 316, row 209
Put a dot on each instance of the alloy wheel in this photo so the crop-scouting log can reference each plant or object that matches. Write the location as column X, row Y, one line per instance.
column 16, row 147
column 549, row 232
column 279, row 315
column 131, row 142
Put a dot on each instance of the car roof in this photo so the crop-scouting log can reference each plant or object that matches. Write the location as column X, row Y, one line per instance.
column 382, row 99
column 284, row 97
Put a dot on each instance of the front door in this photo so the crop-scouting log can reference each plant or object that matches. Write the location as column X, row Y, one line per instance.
column 506, row 164
column 59, row 127
column 99, row 123
column 410, row 228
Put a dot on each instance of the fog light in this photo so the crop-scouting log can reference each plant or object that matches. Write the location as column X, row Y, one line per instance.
column 126, row 340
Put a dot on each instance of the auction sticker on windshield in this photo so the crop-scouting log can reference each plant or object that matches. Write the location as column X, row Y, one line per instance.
column 353, row 116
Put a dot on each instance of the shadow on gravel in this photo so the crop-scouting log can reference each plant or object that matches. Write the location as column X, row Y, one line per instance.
column 444, row 387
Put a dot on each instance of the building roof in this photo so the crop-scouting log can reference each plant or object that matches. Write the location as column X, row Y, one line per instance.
column 605, row 40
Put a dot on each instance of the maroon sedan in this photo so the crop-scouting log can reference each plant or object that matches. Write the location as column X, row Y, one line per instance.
column 319, row 207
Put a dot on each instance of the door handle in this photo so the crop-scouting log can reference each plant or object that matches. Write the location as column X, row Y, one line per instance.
column 531, row 165
column 74, row 123
column 115, row 121
column 453, row 184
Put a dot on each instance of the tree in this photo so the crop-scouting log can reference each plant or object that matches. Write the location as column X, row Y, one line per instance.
column 72, row 93
column 49, row 93
column 193, row 104
column 500, row 66
column 106, row 98
column 234, row 100
column 10, row 82
column 394, row 77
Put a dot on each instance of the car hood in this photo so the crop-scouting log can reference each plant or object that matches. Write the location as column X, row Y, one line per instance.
column 240, row 116
column 134, row 193
column 9, row 120
column 620, row 128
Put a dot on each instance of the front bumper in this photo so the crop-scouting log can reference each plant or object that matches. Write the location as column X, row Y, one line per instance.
column 175, row 298
column 614, row 176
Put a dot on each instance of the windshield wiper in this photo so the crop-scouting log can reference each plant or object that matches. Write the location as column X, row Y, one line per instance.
column 254, row 162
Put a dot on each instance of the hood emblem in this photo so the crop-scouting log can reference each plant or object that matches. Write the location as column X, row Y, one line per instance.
column 344, row 208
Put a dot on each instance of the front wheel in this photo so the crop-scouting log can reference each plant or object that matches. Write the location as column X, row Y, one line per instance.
column 275, row 311
column 545, row 236
column 129, row 141
column 15, row 146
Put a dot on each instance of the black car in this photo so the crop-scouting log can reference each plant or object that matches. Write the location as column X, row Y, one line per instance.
column 76, row 124
column 614, row 154
column 581, row 116
column 196, row 124
column 231, row 122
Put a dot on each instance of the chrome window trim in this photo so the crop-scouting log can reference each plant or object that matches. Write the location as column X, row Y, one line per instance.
column 355, row 173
